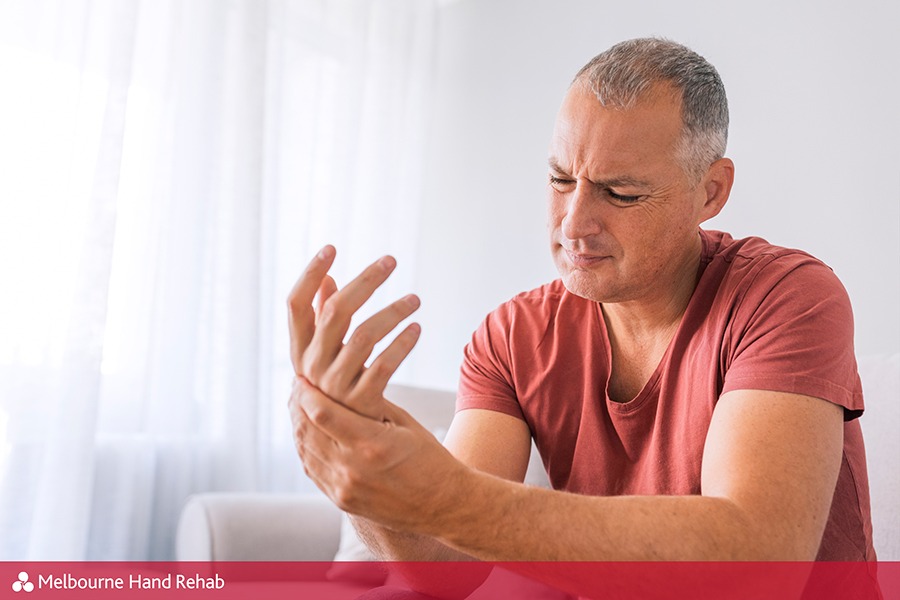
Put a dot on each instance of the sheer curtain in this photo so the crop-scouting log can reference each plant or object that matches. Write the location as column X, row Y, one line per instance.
column 166, row 170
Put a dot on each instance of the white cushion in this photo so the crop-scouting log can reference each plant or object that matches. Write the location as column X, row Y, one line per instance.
column 880, row 423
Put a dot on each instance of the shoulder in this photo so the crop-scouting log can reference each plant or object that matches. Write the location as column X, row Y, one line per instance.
column 545, row 296
column 786, row 319
column 491, row 358
column 523, row 323
column 541, row 308
column 721, row 247
column 751, row 269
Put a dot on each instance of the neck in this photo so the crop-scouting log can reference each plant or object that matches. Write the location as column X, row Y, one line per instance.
column 658, row 313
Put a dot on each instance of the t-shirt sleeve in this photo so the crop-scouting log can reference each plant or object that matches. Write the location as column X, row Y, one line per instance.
column 485, row 379
column 795, row 334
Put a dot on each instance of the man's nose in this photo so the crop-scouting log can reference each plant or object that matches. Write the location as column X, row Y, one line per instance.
column 582, row 217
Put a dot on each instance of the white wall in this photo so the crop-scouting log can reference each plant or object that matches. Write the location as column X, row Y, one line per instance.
column 813, row 88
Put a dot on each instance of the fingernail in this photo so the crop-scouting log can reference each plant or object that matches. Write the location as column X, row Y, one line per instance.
column 325, row 252
column 387, row 262
column 412, row 300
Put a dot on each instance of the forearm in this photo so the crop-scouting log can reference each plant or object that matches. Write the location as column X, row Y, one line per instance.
column 504, row 521
column 545, row 534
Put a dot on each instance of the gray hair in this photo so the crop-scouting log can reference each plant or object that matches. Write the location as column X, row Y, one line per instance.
column 626, row 72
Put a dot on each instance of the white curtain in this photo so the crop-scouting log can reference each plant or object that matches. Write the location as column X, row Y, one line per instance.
column 166, row 170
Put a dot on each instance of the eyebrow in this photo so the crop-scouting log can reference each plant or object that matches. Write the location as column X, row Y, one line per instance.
column 610, row 182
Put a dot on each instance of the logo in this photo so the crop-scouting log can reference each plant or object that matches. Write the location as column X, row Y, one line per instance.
column 22, row 584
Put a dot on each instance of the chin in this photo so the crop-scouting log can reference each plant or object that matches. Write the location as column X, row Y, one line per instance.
column 586, row 286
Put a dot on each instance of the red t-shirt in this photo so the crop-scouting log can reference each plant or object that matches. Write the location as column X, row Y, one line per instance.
column 761, row 317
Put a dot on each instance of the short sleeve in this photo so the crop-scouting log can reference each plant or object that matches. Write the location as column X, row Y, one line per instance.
column 485, row 377
column 794, row 333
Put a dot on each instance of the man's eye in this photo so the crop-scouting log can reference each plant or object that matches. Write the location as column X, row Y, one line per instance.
column 554, row 180
column 623, row 199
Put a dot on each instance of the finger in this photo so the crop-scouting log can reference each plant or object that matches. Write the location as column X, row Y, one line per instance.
column 333, row 420
column 307, row 437
column 301, row 320
column 367, row 394
column 334, row 319
column 350, row 361
column 332, row 482
column 398, row 416
column 320, row 454
column 326, row 290
column 311, row 441
column 320, row 472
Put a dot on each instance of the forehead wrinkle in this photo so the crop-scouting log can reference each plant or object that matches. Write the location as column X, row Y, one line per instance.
column 608, row 182
column 622, row 181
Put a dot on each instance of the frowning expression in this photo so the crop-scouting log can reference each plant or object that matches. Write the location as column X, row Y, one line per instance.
column 623, row 214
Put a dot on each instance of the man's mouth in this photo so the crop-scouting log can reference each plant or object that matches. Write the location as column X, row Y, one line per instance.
column 579, row 259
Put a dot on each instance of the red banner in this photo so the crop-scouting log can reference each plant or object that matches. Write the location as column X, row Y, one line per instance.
column 396, row 581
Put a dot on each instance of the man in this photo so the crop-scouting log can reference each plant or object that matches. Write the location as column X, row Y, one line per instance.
column 693, row 397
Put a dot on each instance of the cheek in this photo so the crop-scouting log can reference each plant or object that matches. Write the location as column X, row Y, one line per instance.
column 555, row 213
column 669, row 240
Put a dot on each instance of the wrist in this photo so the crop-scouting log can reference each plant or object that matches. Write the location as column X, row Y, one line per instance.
column 472, row 504
column 450, row 507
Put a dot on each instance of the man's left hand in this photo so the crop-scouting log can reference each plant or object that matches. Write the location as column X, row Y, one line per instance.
column 318, row 351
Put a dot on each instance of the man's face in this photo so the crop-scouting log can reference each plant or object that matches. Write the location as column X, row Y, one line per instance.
column 623, row 215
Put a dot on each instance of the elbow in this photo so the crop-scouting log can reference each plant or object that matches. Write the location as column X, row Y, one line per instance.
column 752, row 537
column 765, row 544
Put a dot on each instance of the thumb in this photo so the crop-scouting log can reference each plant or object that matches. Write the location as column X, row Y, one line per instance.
column 396, row 415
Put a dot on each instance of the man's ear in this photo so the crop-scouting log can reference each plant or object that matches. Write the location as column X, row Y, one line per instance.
column 717, row 183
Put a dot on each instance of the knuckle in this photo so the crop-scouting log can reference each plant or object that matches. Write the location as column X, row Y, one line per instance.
column 299, row 425
column 351, row 479
column 373, row 273
column 312, row 367
column 307, row 366
column 300, row 429
column 300, row 440
column 371, row 453
column 400, row 310
column 319, row 416
column 345, row 494
column 342, row 499
column 300, row 447
column 402, row 345
column 295, row 302
column 356, row 398
column 331, row 385
column 362, row 338
column 381, row 369
column 332, row 309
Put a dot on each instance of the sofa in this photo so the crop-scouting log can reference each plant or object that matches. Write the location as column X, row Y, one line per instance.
column 227, row 527
column 307, row 527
